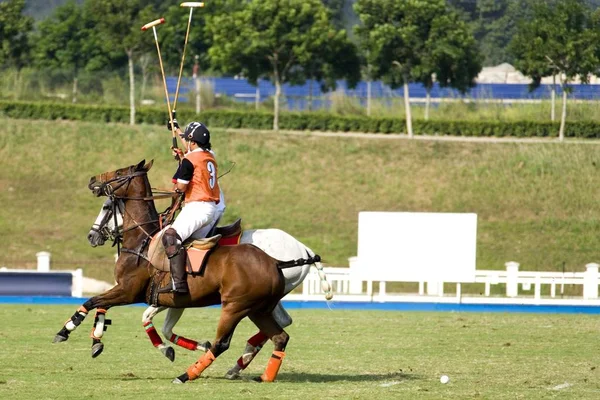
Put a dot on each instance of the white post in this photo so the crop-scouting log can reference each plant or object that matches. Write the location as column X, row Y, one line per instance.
column 435, row 288
column 77, row 285
column 538, row 287
column 257, row 98
column 356, row 283
column 43, row 261
column 512, row 287
column 590, row 286
column 458, row 292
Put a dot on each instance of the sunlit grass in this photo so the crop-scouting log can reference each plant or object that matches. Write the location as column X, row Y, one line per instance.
column 331, row 355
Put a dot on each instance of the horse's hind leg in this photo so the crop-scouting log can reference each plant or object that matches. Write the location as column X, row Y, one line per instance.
column 173, row 316
column 225, row 329
column 256, row 343
column 267, row 324
column 155, row 338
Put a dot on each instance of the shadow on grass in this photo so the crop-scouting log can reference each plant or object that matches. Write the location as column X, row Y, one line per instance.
column 303, row 377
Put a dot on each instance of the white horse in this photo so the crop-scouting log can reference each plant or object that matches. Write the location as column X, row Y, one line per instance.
column 276, row 243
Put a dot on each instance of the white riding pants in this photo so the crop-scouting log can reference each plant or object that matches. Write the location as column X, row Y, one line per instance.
column 195, row 219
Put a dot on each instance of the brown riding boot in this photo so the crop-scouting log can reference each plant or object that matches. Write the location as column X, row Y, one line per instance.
column 178, row 274
column 177, row 259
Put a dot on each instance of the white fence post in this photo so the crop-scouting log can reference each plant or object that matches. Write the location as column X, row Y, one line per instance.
column 590, row 286
column 433, row 288
column 43, row 261
column 77, row 285
column 512, row 285
column 355, row 283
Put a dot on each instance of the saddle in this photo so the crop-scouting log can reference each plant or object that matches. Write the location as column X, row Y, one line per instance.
column 197, row 252
column 230, row 233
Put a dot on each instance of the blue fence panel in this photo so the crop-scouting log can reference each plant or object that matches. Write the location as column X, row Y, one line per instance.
column 296, row 97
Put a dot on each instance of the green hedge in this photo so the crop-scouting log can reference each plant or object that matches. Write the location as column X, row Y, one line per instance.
column 299, row 121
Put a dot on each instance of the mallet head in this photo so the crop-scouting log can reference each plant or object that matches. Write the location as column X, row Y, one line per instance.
column 192, row 4
column 153, row 23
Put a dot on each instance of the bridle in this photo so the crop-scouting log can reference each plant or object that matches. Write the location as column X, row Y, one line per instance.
column 108, row 189
column 115, row 234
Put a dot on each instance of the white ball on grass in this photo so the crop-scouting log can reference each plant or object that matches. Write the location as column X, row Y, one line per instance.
column 444, row 379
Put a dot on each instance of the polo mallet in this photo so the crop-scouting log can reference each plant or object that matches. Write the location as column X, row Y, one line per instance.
column 162, row 70
column 191, row 5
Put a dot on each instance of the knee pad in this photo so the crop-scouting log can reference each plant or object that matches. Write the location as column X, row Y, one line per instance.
column 172, row 242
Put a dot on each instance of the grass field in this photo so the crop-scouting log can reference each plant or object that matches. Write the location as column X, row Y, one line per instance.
column 331, row 355
column 537, row 203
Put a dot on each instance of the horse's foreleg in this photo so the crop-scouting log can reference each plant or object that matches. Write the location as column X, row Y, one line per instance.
column 155, row 338
column 71, row 324
column 256, row 343
column 118, row 295
column 267, row 324
column 225, row 329
column 173, row 316
column 100, row 325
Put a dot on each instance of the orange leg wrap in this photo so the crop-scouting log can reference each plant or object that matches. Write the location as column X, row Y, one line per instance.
column 203, row 362
column 273, row 366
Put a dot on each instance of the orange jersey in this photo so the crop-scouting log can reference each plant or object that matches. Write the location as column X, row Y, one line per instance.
column 204, row 185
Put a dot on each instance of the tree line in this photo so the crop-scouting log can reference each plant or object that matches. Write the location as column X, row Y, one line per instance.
column 292, row 41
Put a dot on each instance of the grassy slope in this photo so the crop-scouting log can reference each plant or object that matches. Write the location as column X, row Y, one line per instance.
column 537, row 203
column 331, row 355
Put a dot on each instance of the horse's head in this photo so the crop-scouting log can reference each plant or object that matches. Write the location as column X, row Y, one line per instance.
column 116, row 183
column 104, row 227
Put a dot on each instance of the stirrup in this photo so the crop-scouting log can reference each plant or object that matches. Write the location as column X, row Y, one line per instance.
column 170, row 289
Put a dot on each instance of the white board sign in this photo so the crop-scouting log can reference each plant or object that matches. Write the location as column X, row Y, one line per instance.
column 415, row 247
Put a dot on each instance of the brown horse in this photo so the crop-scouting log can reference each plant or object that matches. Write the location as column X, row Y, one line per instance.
column 243, row 279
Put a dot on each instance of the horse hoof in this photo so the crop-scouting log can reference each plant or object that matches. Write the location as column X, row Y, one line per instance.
column 257, row 379
column 232, row 375
column 97, row 349
column 181, row 379
column 60, row 338
column 170, row 354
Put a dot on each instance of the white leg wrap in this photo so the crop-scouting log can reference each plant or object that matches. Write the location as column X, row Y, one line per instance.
column 151, row 313
column 99, row 330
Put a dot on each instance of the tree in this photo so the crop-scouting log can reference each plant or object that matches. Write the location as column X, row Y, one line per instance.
column 335, row 58
column 118, row 24
column 394, row 35
column 67, row 40
column 451, row 54
column 559, row 38
column 14, row 28
column 272, row 38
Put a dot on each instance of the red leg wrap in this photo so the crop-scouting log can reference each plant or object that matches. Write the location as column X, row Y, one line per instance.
column 184, row 342
column 152, row 334
column 258, row 340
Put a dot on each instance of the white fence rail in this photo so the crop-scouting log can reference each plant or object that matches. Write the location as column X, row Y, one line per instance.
column 520, row 286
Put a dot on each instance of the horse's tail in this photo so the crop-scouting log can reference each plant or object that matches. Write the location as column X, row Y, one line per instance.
column 312, row 259
column 325, row 285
